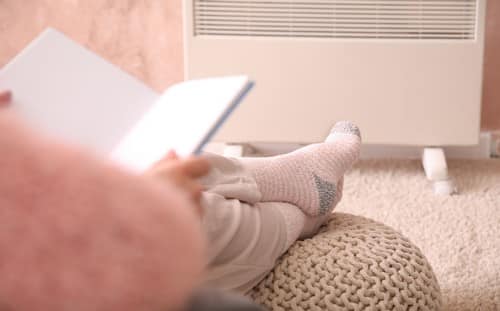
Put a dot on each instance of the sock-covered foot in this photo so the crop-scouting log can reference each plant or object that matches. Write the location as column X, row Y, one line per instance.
column 309, row 177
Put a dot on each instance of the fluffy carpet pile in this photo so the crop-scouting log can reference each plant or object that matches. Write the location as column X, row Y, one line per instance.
column 459, row 234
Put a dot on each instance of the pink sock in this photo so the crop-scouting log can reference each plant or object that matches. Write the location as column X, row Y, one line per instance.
column 309, row 177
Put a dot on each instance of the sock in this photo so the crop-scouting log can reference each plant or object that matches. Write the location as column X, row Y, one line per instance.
column 294, row 220
column 299, row 225
column 309, row 177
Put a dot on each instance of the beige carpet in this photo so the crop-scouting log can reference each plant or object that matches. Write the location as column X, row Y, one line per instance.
column 460, row 234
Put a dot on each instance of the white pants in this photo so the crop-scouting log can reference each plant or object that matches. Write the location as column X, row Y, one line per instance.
column 245, row 236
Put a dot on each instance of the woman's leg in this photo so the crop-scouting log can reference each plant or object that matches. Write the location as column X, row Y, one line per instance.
column 308, row 177
column 252, row 217
column 245, row 240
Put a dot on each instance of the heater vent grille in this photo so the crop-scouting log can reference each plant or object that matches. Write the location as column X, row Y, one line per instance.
column 356, row 19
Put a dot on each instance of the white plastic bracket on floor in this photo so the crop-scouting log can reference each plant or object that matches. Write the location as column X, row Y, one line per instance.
column 436, row 170
column 236, row 150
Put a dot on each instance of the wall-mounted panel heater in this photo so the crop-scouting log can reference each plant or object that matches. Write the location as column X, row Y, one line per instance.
column 407, row 71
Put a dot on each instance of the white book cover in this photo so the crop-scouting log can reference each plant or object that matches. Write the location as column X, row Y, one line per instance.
column 68, row 92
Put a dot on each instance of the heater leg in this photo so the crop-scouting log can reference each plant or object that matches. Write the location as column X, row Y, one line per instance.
column 236, row 150
column 436, row 170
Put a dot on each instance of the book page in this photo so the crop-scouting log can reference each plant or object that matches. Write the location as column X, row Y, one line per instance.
column 66, row 91
column 63, row 90
column 183, row 119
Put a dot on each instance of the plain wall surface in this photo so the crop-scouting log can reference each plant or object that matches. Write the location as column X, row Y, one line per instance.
column 145, row 38
column 490, row 118
column 142, row 37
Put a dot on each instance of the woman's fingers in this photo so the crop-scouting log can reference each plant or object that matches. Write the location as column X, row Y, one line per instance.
column 183, row 174
column 5, row 98
column 196, row 167
column 171, row 155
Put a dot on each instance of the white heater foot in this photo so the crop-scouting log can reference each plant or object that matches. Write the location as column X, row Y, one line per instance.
column 236, row 150
column 436, row 170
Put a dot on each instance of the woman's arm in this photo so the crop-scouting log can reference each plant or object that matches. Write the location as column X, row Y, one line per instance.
column 77, row 232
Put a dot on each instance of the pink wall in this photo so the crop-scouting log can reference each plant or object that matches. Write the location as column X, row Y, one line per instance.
column 142, row 37
column 145, row 38
column 490, row 118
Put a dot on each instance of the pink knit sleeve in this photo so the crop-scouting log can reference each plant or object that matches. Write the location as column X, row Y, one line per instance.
column 76, row 233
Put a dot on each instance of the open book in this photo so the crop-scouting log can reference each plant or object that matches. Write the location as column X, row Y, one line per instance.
column 67, row 91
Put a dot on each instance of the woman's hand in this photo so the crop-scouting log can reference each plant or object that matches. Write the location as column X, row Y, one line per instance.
column 5, row 97
column 183, row 173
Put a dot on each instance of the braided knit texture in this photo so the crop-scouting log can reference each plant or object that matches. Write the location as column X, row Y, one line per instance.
column 353, row 263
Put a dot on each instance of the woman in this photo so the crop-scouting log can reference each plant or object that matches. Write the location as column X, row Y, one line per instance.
column 250, row 210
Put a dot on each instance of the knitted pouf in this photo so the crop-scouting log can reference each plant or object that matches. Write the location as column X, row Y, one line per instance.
column 353, row 264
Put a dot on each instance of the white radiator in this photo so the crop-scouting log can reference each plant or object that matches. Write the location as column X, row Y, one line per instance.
column 407, row 71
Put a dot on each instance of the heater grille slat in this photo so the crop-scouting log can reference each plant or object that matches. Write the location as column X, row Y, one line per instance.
column 412, row 19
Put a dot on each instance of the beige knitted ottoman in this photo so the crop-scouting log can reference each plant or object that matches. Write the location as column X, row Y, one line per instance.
column 353, row 264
